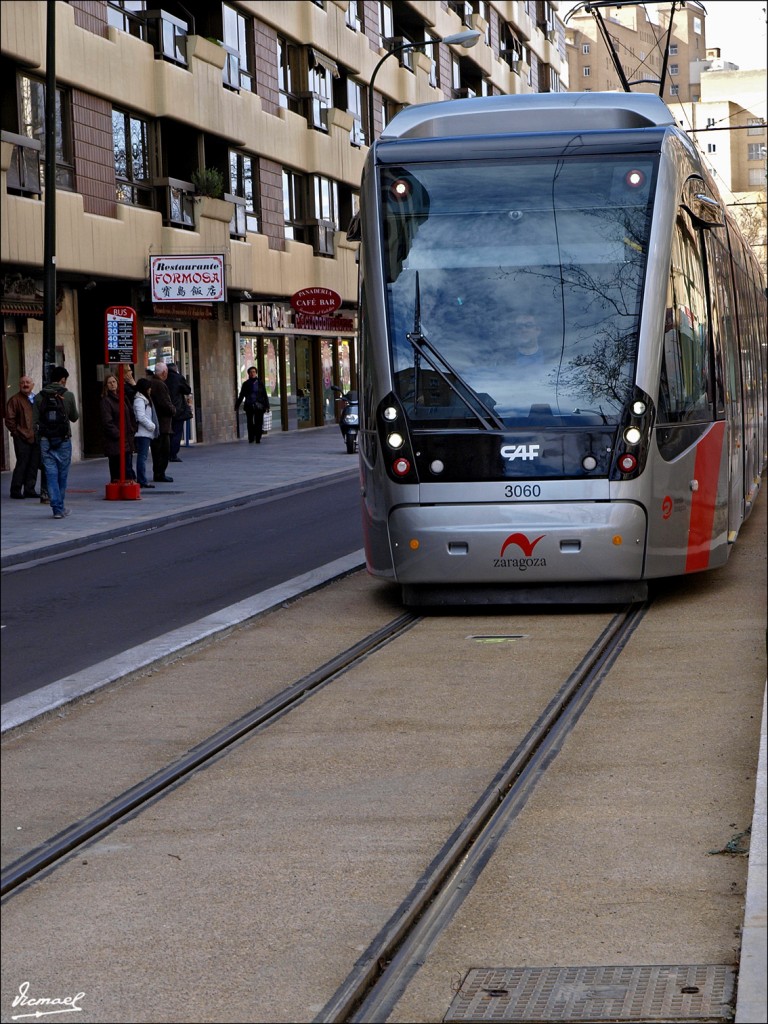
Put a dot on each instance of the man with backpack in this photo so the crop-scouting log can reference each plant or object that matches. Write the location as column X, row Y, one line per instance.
column 53, row 412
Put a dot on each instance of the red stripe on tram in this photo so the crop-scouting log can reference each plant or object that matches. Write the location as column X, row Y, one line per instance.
column 707, row 471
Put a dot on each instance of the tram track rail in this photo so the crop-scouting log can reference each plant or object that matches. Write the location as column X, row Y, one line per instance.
column 382, row 973
column 48, row 855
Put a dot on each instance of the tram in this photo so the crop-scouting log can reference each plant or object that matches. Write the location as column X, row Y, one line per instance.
column 562, row 353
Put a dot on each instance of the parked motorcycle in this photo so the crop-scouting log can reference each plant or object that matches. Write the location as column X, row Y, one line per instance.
column 349, row 420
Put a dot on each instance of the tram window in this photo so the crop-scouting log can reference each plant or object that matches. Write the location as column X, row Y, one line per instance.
column 686, row 385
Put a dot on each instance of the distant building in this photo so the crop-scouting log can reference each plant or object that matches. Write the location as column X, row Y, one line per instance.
column 729, row 126
column 639, row 34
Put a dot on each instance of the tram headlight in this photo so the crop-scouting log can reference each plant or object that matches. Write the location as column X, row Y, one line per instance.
column 390, row 413
column 634, row 178
column 638, row 408
column 395, row 440
column 589, row 462
column 632, row 435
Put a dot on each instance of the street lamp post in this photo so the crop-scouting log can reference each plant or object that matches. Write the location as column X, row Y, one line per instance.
column 466, row 39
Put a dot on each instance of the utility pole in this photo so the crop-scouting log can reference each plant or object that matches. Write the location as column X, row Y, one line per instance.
column 49, row 230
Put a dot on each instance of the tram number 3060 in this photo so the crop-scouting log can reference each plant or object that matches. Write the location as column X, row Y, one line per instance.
column 522, row 491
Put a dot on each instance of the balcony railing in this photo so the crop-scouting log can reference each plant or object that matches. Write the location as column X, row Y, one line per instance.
column 168, row 35
column 176, row 202
column 24, row 173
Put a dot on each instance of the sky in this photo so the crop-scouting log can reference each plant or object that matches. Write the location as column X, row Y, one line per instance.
column 739, row 30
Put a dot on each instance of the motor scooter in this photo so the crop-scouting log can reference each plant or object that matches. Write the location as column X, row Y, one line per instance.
column 349, row 420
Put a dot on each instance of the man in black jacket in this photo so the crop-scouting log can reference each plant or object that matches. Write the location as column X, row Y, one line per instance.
column 179, row 390
column 254, row 394
column 164, row 407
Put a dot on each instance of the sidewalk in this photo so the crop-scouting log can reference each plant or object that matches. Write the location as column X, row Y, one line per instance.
column 209, row 477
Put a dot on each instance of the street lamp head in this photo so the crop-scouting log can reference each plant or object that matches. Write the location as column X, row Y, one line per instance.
column 466, row 39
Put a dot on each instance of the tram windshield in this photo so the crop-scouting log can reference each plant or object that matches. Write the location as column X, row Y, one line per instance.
column 514, row 287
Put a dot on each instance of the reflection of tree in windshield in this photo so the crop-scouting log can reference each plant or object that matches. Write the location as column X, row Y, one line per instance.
column 601, row 374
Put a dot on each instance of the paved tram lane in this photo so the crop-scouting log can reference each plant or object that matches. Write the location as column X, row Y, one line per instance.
column 258, row 883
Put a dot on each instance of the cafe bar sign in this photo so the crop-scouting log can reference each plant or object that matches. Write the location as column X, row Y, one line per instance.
column 187, row 278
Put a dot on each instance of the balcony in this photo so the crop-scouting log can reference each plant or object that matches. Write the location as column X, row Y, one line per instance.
column 23, row 176
column 168, row 36
column 176, row 202
column 321, row 235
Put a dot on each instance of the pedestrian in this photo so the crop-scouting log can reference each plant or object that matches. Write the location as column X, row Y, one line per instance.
column 120, row 459
column 147, row 428
column 54, row 410
column 254, row 395
column 18, row 419
column 180, row 391
column 164, row 407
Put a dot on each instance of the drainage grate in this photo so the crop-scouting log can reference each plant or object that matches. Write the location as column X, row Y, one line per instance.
column 698, row 992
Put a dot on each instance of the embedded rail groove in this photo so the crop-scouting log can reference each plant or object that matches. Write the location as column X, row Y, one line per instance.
column 53, row 851
column 382, row 973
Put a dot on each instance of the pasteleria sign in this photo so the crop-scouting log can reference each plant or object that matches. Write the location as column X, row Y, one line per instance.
column 187, row 278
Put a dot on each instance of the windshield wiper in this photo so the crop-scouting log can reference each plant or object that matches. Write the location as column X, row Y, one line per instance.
column 424, row 349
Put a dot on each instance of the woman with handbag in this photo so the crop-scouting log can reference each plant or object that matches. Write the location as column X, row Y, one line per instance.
column 254, row 395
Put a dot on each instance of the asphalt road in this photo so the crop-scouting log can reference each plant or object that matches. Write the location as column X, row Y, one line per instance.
column 64, row 615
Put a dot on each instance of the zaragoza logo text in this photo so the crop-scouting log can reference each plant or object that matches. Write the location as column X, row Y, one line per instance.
column 526, row 546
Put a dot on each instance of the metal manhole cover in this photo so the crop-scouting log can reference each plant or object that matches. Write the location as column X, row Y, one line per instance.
column 698, row 992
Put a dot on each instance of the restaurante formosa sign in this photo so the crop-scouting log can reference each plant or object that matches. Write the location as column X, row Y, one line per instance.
column 187, row 278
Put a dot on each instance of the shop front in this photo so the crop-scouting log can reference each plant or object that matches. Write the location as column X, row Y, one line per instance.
column 299, row 358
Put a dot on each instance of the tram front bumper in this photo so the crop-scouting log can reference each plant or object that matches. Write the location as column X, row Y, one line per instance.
column 518, row 544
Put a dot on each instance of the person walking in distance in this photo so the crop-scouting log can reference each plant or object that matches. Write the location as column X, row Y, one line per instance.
column 164, row 407
column 18, row 420
column 179, row 390
column 146, row 430
column 54, row 410
column 254, row 394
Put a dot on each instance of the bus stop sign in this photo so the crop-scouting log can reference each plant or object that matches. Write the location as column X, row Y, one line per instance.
column 120, row 335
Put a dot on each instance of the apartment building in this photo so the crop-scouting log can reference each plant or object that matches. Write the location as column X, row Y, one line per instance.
column 250, row 265
column 638, row 34
column 729, row 125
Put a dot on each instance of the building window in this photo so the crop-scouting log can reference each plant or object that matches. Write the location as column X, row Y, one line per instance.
column 673, row 49
column 710, row 122
column 756, row 126
column 585, row 48
column 288, row 74
column 697, row 26
column 31, row 114
column 294, row 205
column 711, row 147
column 244, row 184
column 586, row 72
column 674, row 90
column 756, row 151
column 319, row 99
column 356, row 107
column 354, row 17
column 433, row 52
column 386, row 22
column 133, row 174
column 674, row 69
column 756, row 177
column 325, row 194
column 238, row 42
column 122, row 15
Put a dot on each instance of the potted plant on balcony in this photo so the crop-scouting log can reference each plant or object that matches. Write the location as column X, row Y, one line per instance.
column 209, row 186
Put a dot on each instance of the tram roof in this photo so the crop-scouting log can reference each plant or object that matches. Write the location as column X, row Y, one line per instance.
column 534, row 112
